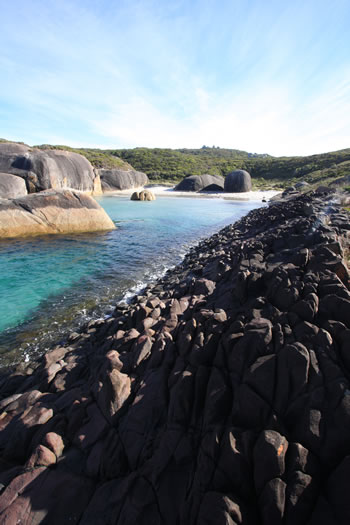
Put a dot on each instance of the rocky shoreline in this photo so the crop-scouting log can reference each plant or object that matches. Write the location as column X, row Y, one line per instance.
column 221, row 395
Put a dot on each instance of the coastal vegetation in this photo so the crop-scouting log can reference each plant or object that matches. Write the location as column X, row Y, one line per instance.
column 165, row 165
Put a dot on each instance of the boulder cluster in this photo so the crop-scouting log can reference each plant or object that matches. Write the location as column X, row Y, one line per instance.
column 44, row 169
column 27, row 174
column 237, row 181
column 201, row 183
column 221, row 395
column 144, row 195
column 26, row 170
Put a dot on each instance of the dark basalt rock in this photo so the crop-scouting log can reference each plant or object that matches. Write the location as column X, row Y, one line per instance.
column 220, row 395
column 238, row 181
column 201, row 182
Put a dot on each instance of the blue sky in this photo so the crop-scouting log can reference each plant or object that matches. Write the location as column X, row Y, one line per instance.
column 263, row 76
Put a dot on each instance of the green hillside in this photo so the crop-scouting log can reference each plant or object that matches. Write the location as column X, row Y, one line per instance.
column 172, row 165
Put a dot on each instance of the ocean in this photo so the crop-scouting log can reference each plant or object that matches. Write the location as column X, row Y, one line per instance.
column 52, row 285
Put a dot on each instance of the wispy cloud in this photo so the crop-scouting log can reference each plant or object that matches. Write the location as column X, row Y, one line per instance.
column 246, row 75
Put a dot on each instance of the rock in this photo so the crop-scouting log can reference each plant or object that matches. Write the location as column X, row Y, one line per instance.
column 201, row 183
column 36, row 496
column 217, row 509
column 12, row 186
column 144, row 195
column 54, row 442
column 52, row 212
column 116, row 179
column 269, row 458
column 45, row 169
column 219, row 395
column 272, row 501
column 238, row 181
column 41, row 457
column 212, row 188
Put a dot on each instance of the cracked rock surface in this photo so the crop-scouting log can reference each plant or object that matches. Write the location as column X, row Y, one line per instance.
column 220, row 396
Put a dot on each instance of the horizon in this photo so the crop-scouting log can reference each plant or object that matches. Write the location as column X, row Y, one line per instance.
column 262, row 79
column 189, row 148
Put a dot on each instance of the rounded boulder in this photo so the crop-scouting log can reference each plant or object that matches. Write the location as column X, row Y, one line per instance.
column 238, row 181
column 116, row 179
column 200, row 182
column 144, row 195
column 12, row 186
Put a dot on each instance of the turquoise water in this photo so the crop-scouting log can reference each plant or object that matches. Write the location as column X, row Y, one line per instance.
column 51, row 284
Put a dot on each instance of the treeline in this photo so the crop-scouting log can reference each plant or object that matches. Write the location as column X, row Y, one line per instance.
column 172, row 165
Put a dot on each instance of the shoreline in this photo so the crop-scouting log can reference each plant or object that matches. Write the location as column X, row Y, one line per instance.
column 165, row 191
column 206, row 380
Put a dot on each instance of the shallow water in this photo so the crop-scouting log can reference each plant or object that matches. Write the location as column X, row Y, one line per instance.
column 52, row 284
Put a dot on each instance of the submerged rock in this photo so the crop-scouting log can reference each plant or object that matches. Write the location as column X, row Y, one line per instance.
column 238, row 181
column 52, row 212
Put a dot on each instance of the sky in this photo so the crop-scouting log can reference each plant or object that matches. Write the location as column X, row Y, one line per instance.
column 264, row 76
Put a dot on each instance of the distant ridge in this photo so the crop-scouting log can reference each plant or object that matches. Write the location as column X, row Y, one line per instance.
column 171, row 165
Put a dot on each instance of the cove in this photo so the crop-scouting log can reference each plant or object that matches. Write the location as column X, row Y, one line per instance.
column 51, row 285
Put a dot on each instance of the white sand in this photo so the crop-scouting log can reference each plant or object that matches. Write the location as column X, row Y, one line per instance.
column 166, row 191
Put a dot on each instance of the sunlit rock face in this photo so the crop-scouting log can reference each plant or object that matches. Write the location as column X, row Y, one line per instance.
column 12, row 186
column 52, row 211
column 46, row 169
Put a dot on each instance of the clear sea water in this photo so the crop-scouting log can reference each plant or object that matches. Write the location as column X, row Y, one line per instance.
column 51, row 285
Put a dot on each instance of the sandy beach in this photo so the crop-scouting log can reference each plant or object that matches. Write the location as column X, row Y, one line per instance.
column 167, row 191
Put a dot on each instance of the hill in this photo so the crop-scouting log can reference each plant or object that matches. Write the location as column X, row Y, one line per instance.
column 165, row 165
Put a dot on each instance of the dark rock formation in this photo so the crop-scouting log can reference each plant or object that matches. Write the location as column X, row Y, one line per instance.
column 221, row 395
column 144, row 195
column 238, row 181
column 11, row 186
column 46, row 169
column 200, row 182
column 112, row 180
column 52, row 212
